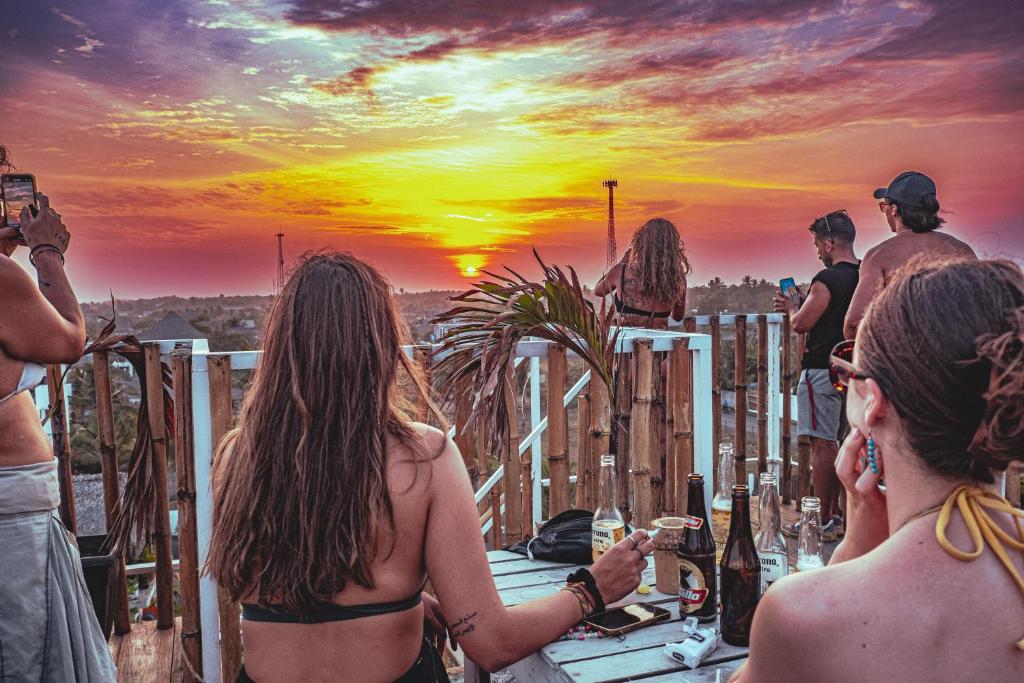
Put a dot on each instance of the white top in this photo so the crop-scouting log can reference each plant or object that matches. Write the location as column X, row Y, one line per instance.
column 32, row 375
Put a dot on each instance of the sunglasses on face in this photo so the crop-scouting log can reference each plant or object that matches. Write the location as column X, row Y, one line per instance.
column 840, row 366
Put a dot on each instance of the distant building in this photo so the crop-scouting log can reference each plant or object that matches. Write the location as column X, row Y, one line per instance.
column 173, row 326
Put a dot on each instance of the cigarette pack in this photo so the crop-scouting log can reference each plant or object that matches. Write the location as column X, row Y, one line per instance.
column 700, row 643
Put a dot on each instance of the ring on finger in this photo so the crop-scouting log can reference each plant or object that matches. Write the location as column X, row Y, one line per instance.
column 640, row 552
column 633, row 541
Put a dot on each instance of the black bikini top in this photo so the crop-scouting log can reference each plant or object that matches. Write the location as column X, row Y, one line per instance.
column 329, row 611
column 623, row 308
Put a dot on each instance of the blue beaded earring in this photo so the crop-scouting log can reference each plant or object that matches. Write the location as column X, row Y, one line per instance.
column 872, row 459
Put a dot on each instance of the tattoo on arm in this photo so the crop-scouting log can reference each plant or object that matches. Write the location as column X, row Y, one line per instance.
column 463, row 626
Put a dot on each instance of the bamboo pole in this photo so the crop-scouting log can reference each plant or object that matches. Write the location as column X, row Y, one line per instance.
column 583, row 473
column 803, row 477
column 623, row 398
column 496, row 514
column 162, row 522
column 513, row 466
column 61, row 447
column 803, row 463
column 640, row 432
column 421, row 357
column 1013, row 474
column 220, row 423
column 681, row 369
column 600, row 433
column 659, row 425
column 716, row 381
column 111, row 483
column 188, row 546
column 787, row 391
column 740, row 384
column 762, row 393
column 558, row 433
column 465, row 436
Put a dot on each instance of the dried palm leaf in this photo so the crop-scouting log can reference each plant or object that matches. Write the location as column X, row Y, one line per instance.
column 491, row 320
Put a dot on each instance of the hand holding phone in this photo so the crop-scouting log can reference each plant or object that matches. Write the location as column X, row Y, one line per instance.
column 17, row 190
column 788, row 287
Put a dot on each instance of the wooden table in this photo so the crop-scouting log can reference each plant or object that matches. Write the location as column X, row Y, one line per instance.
column 636, row 655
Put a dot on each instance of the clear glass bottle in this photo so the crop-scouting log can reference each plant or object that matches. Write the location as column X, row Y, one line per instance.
column 769, row 542
column 609, row 528
column 721, row 505
column 808, row 547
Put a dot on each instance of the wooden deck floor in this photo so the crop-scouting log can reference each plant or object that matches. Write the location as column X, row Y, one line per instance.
column 148, row 654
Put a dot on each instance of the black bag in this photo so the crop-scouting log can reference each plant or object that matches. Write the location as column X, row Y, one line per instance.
column 566, row 537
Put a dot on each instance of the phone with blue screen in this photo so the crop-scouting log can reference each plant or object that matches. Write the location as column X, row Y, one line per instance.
column 789, row 288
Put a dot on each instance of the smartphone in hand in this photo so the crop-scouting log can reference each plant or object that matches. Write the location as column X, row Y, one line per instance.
column 789, row 288
column 17, row 190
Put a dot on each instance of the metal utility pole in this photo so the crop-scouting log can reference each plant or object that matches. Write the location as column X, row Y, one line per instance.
column 611, row 184
column 279, row 284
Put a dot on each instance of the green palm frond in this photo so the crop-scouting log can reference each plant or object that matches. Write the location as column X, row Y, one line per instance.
column 495, row 315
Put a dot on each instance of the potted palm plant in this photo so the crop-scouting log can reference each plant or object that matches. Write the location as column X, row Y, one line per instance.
column 490, row 320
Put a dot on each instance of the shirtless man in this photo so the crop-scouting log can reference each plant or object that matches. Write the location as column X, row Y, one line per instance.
column 911, row 210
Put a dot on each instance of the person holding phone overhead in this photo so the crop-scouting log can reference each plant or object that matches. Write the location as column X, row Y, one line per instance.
column 820, row 315
column 649, row 283
column 48, row 629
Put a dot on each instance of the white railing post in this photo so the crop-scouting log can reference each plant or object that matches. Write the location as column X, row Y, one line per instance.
column 703, row 458
column 203, row 446
column 774, row 395
column 535, row 452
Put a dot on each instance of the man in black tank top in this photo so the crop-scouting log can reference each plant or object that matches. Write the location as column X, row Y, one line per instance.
column 820, row 314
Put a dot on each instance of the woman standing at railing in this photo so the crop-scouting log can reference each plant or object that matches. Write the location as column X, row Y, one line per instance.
column 927, row 583
column 333, row 508
column 649, row 283
column 48, row 629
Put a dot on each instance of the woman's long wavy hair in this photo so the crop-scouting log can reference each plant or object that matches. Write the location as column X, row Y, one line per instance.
column 301, row 494
column 658, row 256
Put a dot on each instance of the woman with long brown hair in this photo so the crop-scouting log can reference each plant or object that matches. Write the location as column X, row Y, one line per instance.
column 649, row 283
column 333, row 508
column 927, row 583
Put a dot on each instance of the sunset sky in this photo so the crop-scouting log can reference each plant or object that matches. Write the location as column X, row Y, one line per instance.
column 433, row 137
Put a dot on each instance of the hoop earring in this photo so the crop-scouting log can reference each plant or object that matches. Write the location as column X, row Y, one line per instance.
column 872, row 454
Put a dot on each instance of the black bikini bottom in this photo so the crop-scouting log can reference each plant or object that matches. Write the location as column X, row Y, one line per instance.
column 428, row 668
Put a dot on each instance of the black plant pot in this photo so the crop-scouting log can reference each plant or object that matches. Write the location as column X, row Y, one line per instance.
column 100, row 569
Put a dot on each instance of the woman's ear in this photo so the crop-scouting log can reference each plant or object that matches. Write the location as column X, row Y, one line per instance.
column 876, row 406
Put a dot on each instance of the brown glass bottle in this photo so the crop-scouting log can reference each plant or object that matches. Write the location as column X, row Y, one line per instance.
column 741, row 573
column 698, row 594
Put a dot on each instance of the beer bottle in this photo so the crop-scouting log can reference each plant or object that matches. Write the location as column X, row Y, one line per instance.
column 769, row 543
column 721, row 504
column 609, row 528
column 698, row 592
column 741, row 573
column 808, row 545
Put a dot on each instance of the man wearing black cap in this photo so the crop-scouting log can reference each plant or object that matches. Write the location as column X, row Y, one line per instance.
column 912, row 212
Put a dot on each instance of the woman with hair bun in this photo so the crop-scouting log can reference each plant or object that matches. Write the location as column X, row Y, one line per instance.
column 649, row 283
column 927, row 584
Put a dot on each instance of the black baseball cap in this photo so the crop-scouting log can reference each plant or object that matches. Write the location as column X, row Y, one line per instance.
column 909, row 187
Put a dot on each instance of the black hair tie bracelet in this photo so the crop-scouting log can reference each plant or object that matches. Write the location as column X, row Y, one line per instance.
column 39, row 248
column 583, row 576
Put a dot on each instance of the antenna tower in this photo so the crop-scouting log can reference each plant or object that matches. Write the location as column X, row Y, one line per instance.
column 611, row 184
column 279, row 283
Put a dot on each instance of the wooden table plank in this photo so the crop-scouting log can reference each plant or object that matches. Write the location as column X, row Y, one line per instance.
column 564, row 651
column 524, row 564
column 640, row 663
column 517, row 596
column 716, row 673
column 541, row 576
column 146, row 654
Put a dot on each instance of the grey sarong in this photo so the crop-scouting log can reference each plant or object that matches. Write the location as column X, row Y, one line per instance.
column 48, row 629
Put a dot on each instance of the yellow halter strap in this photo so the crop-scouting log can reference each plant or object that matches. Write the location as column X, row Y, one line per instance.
column 972, row 502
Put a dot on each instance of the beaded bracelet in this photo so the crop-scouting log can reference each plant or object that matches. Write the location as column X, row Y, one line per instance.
column 44, row 247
